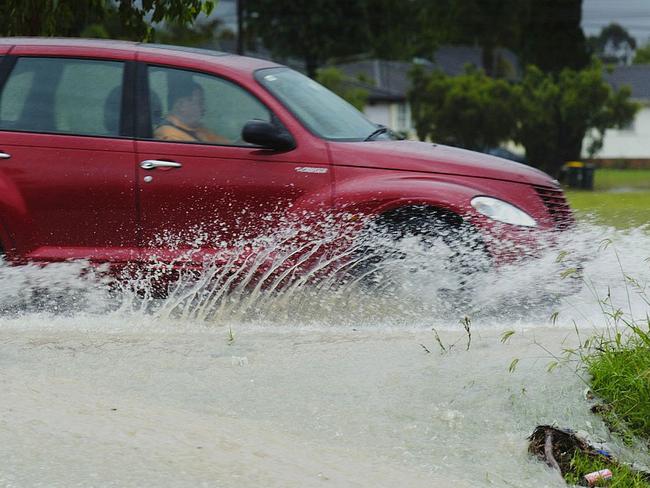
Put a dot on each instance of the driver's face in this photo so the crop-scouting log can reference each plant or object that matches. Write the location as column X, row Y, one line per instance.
column 192, row 109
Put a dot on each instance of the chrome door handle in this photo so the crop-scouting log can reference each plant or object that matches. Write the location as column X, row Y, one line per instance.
column 155, row 163
column 4, row 155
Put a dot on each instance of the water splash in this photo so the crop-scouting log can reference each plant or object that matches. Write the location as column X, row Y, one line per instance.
column 332, row 359
column 292, row 278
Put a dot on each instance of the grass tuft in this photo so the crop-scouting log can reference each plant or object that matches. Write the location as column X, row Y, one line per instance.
column 622, row 476
column 620, row 375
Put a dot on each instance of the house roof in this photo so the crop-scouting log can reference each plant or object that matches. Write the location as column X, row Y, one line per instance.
column 637, row 77
column 384, row 77
column 376, row 94
column 452, row 60
column 391, row 78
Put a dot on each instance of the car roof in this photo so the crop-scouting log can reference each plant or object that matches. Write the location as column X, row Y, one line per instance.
column 232, row 61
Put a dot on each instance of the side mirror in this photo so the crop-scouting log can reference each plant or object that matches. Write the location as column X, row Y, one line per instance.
column 267, row 135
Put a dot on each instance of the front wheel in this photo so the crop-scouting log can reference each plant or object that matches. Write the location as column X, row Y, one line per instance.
column 421, row 253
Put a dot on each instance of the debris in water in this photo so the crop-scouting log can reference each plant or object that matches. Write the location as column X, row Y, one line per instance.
column 558, row 447
column 596, row 476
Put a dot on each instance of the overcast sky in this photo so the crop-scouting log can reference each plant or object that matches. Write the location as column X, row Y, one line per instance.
column 634, row 15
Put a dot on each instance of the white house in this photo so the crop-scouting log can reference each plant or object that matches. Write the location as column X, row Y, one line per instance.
column 631, row 145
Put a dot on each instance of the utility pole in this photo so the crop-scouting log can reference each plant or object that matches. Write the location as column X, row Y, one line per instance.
column 240, row 26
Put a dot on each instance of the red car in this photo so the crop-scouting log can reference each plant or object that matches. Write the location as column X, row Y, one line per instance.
column 121, row 152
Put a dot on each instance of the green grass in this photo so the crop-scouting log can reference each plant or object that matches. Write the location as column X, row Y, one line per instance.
column 620, row 375
column 621, row 210
column 622, row 476
column 621, row 198
column 628, row 179
column 619, row 366
column 618, row 361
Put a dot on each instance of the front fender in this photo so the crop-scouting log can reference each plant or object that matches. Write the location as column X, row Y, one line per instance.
column 359, row 193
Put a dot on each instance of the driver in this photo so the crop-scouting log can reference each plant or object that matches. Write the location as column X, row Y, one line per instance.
column 183, row 122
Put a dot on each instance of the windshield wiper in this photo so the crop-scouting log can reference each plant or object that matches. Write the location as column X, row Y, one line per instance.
column 381, row 130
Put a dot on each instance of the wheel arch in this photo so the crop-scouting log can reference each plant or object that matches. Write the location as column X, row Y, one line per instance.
column 407, row 213
column 430, row 219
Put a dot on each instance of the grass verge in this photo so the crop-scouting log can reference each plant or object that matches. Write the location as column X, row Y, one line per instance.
column 622, row 476
column 620, row 210
column 606, row 179
column 620, row 375
column 621, row 198
column 618, row 363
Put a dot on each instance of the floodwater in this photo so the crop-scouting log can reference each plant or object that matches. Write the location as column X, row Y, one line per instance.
column 305, row 384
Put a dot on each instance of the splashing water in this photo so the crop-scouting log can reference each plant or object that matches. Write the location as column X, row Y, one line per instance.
column 295, row 367
column 274, row 280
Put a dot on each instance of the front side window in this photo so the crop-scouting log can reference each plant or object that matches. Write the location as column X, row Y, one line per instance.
column 197, row 108
column 63, row 95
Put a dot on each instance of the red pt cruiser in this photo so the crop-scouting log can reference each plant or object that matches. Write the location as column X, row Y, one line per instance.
column 121, row 152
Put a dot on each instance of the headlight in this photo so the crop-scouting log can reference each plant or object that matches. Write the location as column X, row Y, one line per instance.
column 503, row 212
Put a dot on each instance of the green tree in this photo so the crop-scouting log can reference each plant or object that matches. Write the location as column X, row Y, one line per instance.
column 343, row 86
column 472, row 110
column 72, row 17
column 195, row 35
column 549, row 114
column 394, row 29
column 489, row 24
column 551, row 36
column 614, row 44
column 545, row 33
column 642, row 55
column 556, row 112
column 311, row 30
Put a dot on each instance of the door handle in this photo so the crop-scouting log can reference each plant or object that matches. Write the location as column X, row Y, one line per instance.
column 155, row 163
column 4, row 155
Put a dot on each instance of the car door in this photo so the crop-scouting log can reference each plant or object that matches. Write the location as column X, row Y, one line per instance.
column 201, row 186
column 67, row 168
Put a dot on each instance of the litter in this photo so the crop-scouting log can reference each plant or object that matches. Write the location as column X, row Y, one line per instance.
column 557, row 447
column 596, row 476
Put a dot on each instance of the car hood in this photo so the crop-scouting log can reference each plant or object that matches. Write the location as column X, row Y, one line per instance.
column 434, row 158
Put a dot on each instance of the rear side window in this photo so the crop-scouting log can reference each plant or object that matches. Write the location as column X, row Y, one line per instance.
column 61, row 95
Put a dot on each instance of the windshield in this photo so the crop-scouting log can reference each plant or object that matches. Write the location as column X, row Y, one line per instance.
column 325, row 114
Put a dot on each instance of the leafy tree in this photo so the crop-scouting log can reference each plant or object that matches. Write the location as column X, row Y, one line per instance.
column 489, row 24
column 201, row 34
column 343, row 86
column 548, row 114
column 614, row 44
column 472, row 110
column 551, row 36
column 316, row 31
column 312, row 30
column 395, row 29
column 545, row 33
column 556, row 112
column 71, row 17
column 642, row 55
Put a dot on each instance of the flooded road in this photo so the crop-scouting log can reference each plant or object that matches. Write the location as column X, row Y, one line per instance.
column 280, row 408
column 312, row 388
